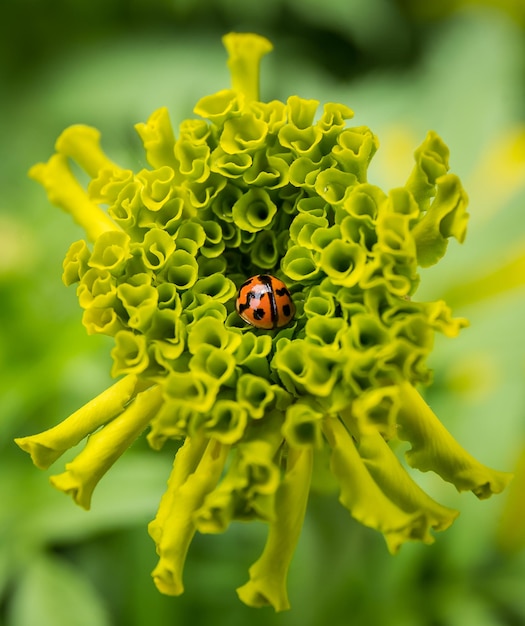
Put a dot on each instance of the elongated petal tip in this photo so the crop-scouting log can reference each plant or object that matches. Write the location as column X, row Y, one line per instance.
column 259, row 593
column 245, row 52
column 42, row 456
column 82, row 144
column 78, row 488
column 64, row 191
column 167, row 581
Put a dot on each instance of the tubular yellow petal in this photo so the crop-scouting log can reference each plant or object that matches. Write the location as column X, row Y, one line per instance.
column 106, row 446
column 185, row 463
column 65, row 191
column 434, row 448
column 158, row 139
column 173, row 529
column 267, row 584
column 46, row 447
column 82, row 144
column 360, row 494
column 396, row 484
column 245, row 52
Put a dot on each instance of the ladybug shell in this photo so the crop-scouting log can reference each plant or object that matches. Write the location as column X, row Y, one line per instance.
column 265, row 302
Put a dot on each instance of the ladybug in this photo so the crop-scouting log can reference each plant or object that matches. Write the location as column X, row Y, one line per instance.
column 265, row 302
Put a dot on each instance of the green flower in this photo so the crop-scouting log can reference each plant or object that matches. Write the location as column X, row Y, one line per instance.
column 250, row 188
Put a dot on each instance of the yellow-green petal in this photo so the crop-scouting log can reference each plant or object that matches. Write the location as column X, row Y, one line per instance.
column 82, row 144
column 360, row 494
column 65, row 191
column 396, row 484
column 267, row 584
column 434, row 448
column 158, row 138
column 46, row 447
column 173, row 529
column 106, row 446
column 245, row 52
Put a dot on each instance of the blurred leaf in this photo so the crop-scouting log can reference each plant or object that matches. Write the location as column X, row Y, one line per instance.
column 51, row 593
column 511, row 531
column 128, row 495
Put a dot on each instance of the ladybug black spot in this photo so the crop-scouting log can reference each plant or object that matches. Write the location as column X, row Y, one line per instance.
column 286, row 310
column 258, row 314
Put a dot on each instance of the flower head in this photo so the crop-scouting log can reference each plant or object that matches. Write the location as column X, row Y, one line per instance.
column 250, row 188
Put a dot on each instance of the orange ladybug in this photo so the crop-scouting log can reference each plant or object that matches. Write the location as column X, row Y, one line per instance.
column 265, row 302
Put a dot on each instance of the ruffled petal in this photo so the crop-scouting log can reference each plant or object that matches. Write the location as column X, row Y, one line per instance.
column 196, row 471
column 434, row 448
column 267, row 584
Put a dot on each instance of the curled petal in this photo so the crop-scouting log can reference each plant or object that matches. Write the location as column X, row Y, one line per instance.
column 375, row 411
column 254, row 210
column 181, row 269
column 192, row 478
column 325, row 331
column 108, row 184
column 360, row 494
column 227, row 421
column 130, row 354
column 434, row 448
column 230, row 165
column 174, row 420
column 46, row 447
column 252, row 354
column 106, row 446
column 334, row 117
column 216, row 286
column 304, row 226
column 97, row 289
column 140, row 303
column 219, row 106
column 355, row 149
column 431, row 162
column 343, row 262
column 76, row 262
column 267, row 584
column 156, row 248
column 248, row 488
column 334, row 186
column 397, row 485
column 299, row 264
column 446, row 217
column 195, row 390
column 302, row 426
column 265, row 251
column 305, row 368
column 158, row 138
column 103, row 321
column 110, row 251
column 158, row 187
column 215, row 362
column 254, row 393
column 211, row 332
column 301, row 112
column 245, row 133
column 193, row 160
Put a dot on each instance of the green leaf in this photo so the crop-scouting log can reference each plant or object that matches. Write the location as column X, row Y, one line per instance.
column 52, row 593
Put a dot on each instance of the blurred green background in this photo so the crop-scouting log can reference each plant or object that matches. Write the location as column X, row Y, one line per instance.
column 404, row 66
